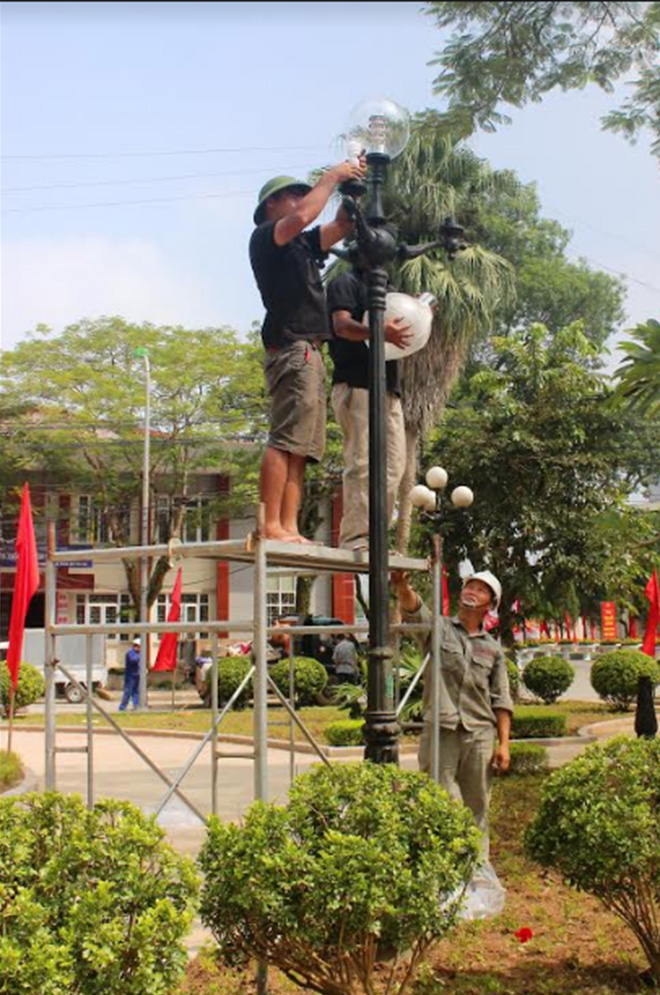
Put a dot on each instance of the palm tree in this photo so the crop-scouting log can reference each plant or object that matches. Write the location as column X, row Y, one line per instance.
column 434, row 177
column 639, row 373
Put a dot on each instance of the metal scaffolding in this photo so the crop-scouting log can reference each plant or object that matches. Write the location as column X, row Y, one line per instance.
column 263, row 554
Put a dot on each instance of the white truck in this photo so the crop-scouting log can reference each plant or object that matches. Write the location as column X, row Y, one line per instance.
column 71, row 651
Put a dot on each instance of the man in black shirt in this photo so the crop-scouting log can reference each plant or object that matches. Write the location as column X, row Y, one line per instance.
column 347, row 303
column 286, row 263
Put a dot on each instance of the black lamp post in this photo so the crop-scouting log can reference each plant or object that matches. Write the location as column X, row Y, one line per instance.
column 382, row 131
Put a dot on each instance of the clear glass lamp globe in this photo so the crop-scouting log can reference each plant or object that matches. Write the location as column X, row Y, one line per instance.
column 379, row 126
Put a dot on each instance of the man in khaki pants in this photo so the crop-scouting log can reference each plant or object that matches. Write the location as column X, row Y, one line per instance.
column 347, row 303
column 475, row 701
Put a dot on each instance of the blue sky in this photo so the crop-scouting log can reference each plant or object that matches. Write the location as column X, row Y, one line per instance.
column 222, row 96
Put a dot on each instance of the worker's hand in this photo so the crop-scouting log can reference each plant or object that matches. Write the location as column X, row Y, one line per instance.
column 501, row 759
column 350, row 169
column 398, row 332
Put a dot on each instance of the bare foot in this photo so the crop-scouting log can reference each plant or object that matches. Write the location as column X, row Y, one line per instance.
column 277, row 532
column 296, row 537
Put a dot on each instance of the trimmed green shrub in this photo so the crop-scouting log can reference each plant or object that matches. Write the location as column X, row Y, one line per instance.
column 231, row 671
column 93, row 902
column 349, row 697
column 310, row 678
column 614, row 676
column 11, row 770
column 31, row 685
column 345, row 732
column 365, row 861
column 514, row 677
column 548, row 677
column 528, row 758
column 598, row 824
column 537, row 723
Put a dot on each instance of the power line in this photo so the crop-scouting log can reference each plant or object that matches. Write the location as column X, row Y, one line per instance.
column 148, row 179
column 128, row 203
column 161, row 152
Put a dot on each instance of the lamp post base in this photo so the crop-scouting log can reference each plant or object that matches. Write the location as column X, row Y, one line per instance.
column 382, row 736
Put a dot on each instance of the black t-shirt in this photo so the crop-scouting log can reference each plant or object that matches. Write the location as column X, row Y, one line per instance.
column 289, row 280
column 351, row 359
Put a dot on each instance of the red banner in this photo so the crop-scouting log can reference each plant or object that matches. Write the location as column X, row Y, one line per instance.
column 608, row 628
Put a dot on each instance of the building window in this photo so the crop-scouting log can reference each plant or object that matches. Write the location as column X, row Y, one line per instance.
column 280, row 596
column 194, row 608
column 196, row 525
column 104, row 609
column 91, row 524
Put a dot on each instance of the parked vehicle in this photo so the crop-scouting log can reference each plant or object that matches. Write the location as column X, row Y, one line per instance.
column 71, row 651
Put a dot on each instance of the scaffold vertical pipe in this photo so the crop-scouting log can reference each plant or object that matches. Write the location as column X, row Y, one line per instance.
column 435, row 658
column 260, row 660
column 50, row 600
column 292, row 702
column 89, row 642
column 214, row 723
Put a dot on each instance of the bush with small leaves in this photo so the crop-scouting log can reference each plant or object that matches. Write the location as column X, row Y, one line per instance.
column 548, row 677
column 598, row 824
column 30, row 685
column 345, row 732
column 614, row 676
column 528, row 759
column 514, row 677
column 310, row 677
column 231, row 671
column 531, row 722
column 366, row 861
column 93, row 902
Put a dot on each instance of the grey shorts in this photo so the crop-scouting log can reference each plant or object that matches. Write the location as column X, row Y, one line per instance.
column 296, row 382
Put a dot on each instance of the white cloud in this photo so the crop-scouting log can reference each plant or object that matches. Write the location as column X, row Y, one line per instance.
column 58, row 282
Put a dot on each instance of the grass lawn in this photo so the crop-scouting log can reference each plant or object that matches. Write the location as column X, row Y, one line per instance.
column 11, row 770
column 576, row 948
column 580, row 713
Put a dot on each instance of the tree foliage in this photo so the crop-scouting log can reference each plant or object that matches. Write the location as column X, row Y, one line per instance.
column 76, row 409
column 514, row 53
column 551, row 463
column 639, row 373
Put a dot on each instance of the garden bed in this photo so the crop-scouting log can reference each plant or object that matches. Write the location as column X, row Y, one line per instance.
column 575, row 948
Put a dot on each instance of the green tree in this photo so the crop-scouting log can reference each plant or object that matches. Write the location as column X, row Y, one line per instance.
column 77, row 403
column 435, row 176
column 513, row 53
column 548, row 458
column 639, row 373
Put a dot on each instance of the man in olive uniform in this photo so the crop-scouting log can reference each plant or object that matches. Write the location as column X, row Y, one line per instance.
column 475, row 700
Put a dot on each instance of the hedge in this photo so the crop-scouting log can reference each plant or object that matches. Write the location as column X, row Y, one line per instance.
column 528, row 758
column 548, row 677
column 614, row 676
column 538, row 723
column 345, row 732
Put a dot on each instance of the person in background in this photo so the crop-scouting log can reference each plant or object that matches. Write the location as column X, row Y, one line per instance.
column 131, row 677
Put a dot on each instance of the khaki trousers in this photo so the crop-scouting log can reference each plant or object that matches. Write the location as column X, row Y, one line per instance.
column 351, row 408
column 465, row 769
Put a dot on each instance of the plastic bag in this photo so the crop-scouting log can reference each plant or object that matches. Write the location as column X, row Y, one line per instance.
column 484, row 896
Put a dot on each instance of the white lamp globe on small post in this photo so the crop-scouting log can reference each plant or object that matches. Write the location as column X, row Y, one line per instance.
column 437, row 478
column 462, row 497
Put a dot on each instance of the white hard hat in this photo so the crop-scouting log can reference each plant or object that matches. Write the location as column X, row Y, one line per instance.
column 488, row 578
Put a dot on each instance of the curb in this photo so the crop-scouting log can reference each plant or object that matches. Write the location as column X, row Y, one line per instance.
column 586, row 734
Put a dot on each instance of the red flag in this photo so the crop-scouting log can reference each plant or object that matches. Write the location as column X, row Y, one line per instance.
column 632, row 627
column 26, row 584
column 445, row 591
column 544, row 629
column 166, row 659
column 653, row 594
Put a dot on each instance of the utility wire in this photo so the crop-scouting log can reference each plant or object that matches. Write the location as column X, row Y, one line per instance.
column 128, row 203
column 148, row 179
column 160, row 152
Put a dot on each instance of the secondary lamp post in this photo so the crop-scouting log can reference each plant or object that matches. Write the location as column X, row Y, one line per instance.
column 428, row 499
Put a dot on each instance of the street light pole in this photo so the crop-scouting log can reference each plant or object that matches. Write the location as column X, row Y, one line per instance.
column 144, row 529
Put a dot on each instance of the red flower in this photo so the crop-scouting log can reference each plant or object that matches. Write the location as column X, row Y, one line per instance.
column 524, row 935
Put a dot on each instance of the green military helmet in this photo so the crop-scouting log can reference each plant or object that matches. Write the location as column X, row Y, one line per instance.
column 276, row 185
